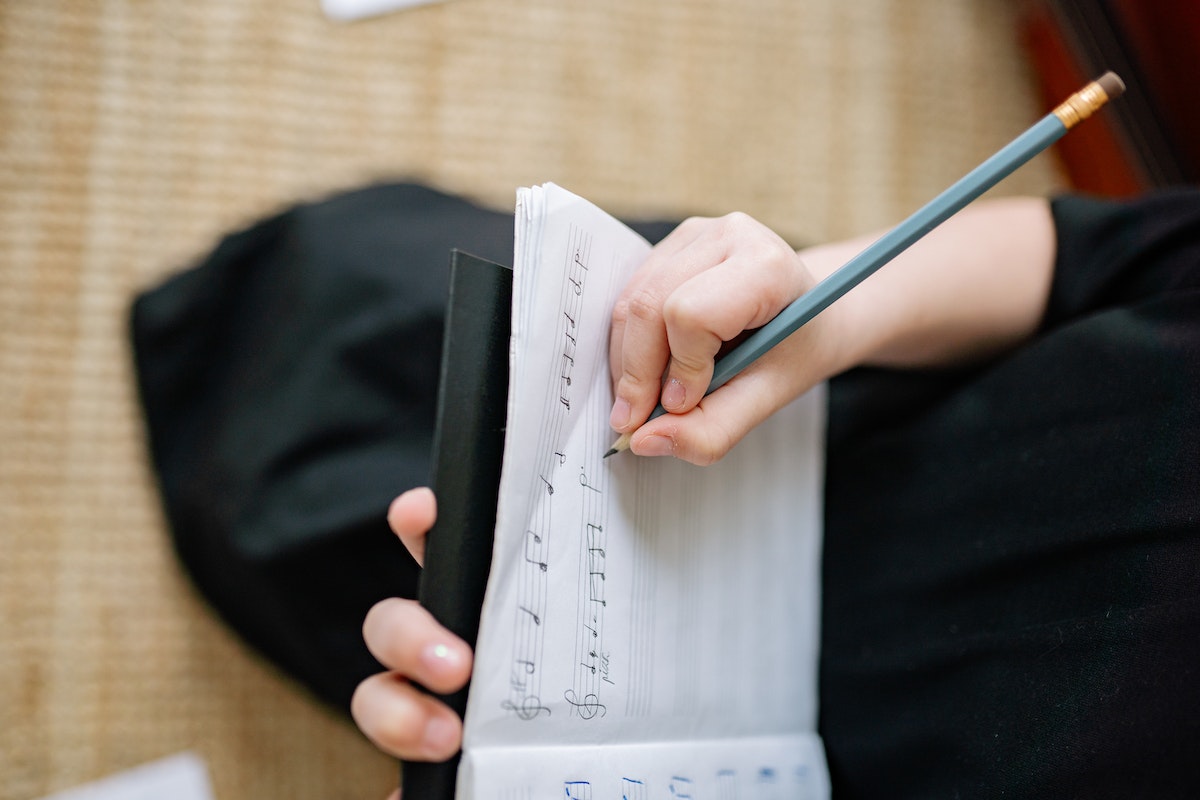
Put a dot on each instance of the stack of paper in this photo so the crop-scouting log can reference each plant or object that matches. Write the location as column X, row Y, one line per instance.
column 650, row 628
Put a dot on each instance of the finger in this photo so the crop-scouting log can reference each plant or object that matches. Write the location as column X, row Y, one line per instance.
column 639, row 326
column 410, row 516
column 745, row 291
column 405, row 637
column 701, row 436
column 404, row 721
column 673, row 242
column 395, row 795
column 707, row 432
column 643, row 358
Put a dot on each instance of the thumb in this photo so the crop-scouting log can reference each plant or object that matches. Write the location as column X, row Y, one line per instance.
column 706, row 433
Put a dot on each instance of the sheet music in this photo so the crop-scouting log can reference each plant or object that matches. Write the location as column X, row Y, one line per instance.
column 650, row 628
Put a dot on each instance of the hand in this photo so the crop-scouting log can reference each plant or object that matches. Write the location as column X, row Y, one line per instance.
column 974, row 287
column 396, row 716
column 704, row 285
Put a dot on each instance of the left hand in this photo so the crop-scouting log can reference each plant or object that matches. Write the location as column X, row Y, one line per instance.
column 394, row 714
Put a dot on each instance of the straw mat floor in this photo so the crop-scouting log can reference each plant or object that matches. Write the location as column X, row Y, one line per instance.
column 133, row 134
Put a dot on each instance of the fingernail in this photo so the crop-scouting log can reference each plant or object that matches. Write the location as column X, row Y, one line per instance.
column 420, row 491
column 440, row 736
column 673, row 394
column 655, row 446
column 441, row 657
column 619, row 417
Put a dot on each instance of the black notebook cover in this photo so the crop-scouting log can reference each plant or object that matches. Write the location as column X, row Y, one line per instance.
column 467, row 453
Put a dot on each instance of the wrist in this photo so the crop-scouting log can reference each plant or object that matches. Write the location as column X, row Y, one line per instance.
column 975, row 286
column 854, row 328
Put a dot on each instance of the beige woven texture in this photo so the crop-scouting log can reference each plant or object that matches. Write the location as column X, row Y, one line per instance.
column 135, row 133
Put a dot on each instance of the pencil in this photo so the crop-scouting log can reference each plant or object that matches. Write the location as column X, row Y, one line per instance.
column 1037, row 138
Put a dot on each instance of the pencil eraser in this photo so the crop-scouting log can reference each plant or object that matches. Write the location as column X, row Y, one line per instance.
column 1112, row 84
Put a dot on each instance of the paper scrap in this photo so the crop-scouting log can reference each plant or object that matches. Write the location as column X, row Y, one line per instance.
column 178, row 777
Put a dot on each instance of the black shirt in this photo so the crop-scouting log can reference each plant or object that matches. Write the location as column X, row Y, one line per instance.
column 1012, row 552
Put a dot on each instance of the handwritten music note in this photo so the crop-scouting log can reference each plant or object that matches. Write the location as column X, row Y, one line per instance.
column 681, row 787
column 624, row 591
column 578, row 790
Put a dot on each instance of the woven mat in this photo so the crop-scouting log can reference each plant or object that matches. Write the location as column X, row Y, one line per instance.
column 135, row 133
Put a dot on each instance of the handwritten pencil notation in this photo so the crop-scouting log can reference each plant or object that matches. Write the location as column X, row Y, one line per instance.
column 554, row 489
column 616, row 582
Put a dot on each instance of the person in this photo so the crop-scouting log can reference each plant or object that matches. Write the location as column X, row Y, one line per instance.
column 1011, row 602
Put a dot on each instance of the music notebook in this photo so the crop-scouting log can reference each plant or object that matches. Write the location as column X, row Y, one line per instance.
column 649, row 628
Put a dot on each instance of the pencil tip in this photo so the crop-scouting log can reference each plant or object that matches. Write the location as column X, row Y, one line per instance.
column 619, row 445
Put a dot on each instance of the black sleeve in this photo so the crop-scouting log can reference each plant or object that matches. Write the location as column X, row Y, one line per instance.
column 1120, row 253
column 1011, row 577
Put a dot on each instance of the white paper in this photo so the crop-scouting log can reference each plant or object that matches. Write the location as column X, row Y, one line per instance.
column 346, row 10
column 178, row 777
column 650, row 628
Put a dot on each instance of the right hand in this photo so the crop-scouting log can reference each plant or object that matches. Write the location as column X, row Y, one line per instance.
column 399, row 718
column 973, row 288
column 702, row 287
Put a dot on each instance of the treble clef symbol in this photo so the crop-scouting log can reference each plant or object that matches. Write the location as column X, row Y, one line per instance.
column 589, row 707
column 530, row 708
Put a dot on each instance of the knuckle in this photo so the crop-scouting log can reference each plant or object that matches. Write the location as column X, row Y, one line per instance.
column 638, row 384
column 683, row 313
column 704, row 456
column 692, row 224
column 686, row 368
column 642, row 304
column 739, row 220
column 620, row 313
column 736, row 226
column 715, row 445
column 689, row 365
column 692, row 319
column 775, row 258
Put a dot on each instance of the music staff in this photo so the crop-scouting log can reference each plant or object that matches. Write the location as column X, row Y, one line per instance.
column 533, row 604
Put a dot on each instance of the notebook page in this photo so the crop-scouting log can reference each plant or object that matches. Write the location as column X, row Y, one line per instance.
column 643, row 616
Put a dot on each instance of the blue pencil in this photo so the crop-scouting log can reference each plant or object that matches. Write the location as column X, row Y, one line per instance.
column 1041, row 135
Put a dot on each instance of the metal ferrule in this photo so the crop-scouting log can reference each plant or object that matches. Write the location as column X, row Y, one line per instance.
column 1082, row 104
